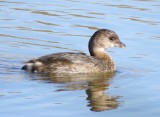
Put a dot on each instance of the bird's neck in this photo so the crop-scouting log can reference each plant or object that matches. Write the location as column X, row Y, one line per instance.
column 100, row 53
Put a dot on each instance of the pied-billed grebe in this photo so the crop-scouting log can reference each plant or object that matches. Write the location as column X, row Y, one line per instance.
column 69, row 62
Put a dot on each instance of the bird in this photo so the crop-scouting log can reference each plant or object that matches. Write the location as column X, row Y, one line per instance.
column 98, row 61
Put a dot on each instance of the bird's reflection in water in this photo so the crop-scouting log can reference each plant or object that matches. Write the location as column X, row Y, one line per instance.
column 94, row 84
column 98, row 99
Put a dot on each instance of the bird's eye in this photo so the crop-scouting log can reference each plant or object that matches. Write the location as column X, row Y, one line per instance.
column 112, row 38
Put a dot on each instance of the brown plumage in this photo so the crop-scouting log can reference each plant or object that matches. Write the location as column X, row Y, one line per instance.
column 69, row 62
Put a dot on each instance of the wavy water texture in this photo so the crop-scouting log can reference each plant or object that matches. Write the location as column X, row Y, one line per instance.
column 32, row 28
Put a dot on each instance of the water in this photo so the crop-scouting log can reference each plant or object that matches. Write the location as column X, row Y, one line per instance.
column 29, row 29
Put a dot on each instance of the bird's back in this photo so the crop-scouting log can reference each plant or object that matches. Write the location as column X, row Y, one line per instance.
column 67, row 62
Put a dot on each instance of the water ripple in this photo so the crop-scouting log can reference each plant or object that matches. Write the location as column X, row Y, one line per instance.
column 32, row 28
